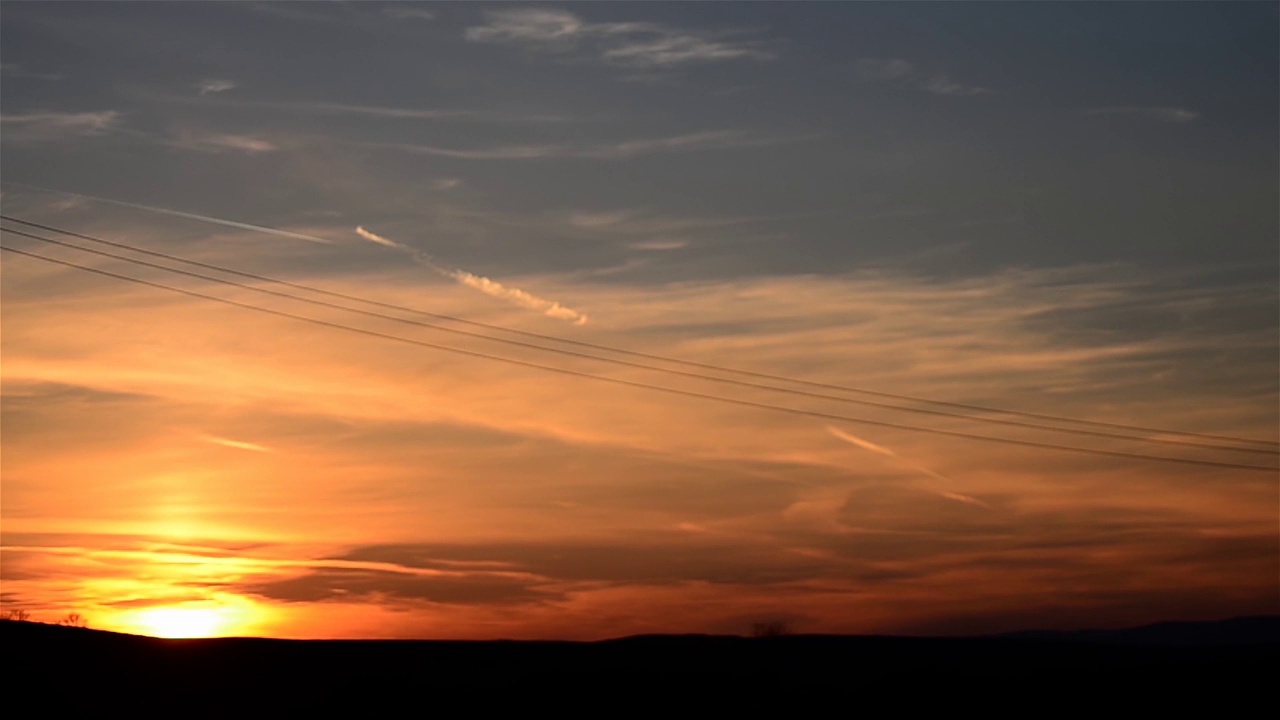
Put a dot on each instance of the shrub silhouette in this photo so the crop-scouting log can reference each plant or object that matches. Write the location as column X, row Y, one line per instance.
column 20, row 615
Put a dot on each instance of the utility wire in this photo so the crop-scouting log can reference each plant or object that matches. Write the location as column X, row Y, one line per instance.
column 648, row 386
column 673, row 360
column 686, row 363
column 740, row 383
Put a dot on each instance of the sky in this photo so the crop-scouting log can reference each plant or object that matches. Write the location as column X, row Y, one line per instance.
column 1067, row 210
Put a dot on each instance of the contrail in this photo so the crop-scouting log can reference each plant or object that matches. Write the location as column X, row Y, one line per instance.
column 376, row 238
column 237, row 444
column 881, row 450
column 550, row 308
column 864, row 444
column 179, row 213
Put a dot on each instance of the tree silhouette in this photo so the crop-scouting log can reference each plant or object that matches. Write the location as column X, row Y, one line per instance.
column 73, row 620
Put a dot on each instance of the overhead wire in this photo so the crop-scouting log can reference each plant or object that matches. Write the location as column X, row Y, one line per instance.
column 650, row 356
column 562, row 351
column 648, row 386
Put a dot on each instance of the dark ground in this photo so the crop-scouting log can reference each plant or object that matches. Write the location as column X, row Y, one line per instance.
column 1229, row 668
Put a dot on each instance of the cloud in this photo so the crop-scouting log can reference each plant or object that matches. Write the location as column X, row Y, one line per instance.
column 207, row 87
column 36, row 126
column 896, row 70
column 943, row 85
column 704, row 559
column 394, row 434
column 536, row 26
column 1161, row 114
column 639, row 222
column 598, row 220
column 373, row 110
column 622, row 150
column 668, row 50
column 626, row 44
column 659, row 245
column 353, row 584
column 217, row 142
column 17, row 71
column 376, row 111
column 489, row 287
column 236, row 444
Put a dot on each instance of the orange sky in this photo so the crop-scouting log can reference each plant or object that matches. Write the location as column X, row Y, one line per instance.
column 162, row 451
column 1062, row 209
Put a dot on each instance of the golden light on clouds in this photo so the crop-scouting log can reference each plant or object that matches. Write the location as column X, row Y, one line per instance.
column 178, row 468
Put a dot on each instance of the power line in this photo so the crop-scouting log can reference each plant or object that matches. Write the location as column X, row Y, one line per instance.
column 626, row 363
column 687, row 363
column 647, row 386
column 792, row 391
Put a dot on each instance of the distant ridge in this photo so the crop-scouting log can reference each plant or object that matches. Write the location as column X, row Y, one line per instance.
column 1255, row 630
column 1249, row 630
column 1226, row 667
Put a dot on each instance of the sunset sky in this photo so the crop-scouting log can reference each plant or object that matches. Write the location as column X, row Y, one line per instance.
column 1065, row 209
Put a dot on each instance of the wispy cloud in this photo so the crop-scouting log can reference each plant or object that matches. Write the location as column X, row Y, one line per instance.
column 899, row 70
column 218, row 142
column 628, row 44
column 17, row 71
column 659, row 245
column 207, row 87
column 1161, row 114
column 667, row 49
column 53, row 126
column 944, row 85
column 236, row 444
column 622, row 150
column 375, row 111
column 493, row 288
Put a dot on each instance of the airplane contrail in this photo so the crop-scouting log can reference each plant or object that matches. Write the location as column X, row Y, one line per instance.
column 524, row 299
column 179, row 213
column 881, row 450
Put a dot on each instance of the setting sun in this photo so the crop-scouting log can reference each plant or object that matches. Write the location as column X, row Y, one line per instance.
column 186, row 622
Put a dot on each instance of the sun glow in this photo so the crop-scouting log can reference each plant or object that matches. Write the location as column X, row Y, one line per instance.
column 188, row 621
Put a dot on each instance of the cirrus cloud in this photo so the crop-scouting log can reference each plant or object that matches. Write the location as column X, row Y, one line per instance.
column 628, row 44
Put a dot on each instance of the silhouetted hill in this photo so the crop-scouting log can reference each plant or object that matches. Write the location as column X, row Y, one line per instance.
column 1221, row 666
column 1236, row 631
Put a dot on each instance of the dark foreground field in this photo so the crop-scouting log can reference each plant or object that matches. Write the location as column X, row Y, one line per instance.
column 1230, row 667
